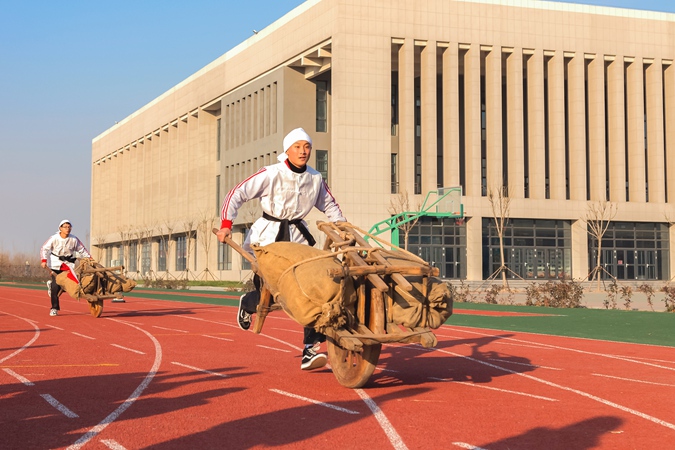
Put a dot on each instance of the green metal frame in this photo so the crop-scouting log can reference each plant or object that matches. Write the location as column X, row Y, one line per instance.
column 393, row 222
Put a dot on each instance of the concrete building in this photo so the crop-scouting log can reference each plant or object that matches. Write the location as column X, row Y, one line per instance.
column 561, row 108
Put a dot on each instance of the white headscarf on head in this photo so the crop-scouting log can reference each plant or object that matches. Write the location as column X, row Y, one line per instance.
column 291, row 138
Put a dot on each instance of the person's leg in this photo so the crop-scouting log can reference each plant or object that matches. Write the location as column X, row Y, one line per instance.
column 54, row 292
column 248, row 304
column 311, row 358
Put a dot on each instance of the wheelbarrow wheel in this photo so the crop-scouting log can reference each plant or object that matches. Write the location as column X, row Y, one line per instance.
column 353, row 369
column 96, row 308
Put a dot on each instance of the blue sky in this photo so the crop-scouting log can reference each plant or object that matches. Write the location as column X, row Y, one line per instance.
column 70, row 69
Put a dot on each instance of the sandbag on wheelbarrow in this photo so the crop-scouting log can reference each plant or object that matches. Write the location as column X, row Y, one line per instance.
column 298, row 276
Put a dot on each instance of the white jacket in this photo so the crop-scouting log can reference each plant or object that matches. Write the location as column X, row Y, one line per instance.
column 283, row 194
column 57, row 246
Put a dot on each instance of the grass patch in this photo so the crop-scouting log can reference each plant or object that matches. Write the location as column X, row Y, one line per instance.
column 641, row 327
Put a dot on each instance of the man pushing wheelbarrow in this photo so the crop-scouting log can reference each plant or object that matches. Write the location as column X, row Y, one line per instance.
column 288, row 190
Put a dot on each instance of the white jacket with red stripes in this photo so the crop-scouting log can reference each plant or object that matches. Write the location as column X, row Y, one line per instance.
column 285, row 195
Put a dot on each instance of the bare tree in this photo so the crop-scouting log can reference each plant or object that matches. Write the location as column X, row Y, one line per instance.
column 190, row 233
column 169, row 243
column 99, row 243
column 398, row 207
column 500, row 202
column 204, row 227
column 599, row 215
column 126, row 237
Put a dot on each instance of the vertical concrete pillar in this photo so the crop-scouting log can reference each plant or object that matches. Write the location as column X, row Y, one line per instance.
column 580, row 266
column 596, row 129
column 669, row 87
column 655, row 140
column 406, row 108
column 474, row 248
column 636, row 131
column 493, row 112
column 451, row 115
column 516, row 136
column 616, row 126
column 556, row 126
column 472, row 118
column 535, row 120
column 429, row 119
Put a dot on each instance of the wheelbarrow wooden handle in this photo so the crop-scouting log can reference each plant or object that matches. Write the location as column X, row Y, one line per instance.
column 240, row 250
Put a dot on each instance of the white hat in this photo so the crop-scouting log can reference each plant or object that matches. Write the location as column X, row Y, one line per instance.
column 64, row 221
column 291, row 138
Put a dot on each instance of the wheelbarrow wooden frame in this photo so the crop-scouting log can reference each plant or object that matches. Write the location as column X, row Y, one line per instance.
column 353, row 352
column 101, row 275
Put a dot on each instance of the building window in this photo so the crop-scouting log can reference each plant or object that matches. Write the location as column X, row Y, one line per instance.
column 394, row 173
column 161, row 255
column 120, row 256
column 218, row 140
column 322, row 163
column 533, row 249
column 145, row 258
column 441, row 243
column 632, row 251
column 322, row 106
column 181, row 253
column 224, row 257
column 218, row 204
column 133, row 257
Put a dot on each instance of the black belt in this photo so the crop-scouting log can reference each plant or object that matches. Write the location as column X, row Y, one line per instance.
column 70, row 259
column 284, row 234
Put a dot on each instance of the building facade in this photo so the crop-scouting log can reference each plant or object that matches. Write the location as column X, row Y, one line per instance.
column 558, row 110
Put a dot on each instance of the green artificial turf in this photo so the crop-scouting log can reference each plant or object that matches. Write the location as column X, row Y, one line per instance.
column 643, row 327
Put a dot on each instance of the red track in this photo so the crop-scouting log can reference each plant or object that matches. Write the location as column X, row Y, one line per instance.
column 160, row 374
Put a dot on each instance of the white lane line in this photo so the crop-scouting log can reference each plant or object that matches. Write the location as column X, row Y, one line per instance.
column 112, row 444
column 170, row 329
column 197, row 369
column 273, row 348
column 56, row 404
column 132, row 398
column 467, row 446
column 24, row 380
column 621, row 358
column 382, row 369
column 565, row 388
column 83, row 335
column 128, row 349
column 287, row 330
column 389, row 430
column 315, row 402
column 27, row 344
column 54, row 326
column 522, row 364
column 495, row 389
column 636, row 381
column 216, row 337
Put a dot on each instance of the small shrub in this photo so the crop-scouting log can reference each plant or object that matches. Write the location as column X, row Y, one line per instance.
column 459, row 293
column 492, row 293
column 626, row 296
column 648, row 290
column 612, row 292
column 533, row 295
column 669, row 299
column 555, row 294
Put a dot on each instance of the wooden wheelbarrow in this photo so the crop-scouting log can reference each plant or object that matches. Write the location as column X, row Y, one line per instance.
column 353, row 351
column 98, row 283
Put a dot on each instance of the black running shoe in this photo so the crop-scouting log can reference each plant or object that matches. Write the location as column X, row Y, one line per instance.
column 311, row 359
column 243, row 318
